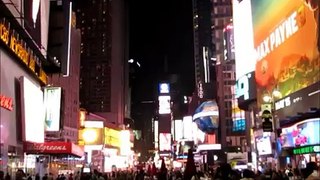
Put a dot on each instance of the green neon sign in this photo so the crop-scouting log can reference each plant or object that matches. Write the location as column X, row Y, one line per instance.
column 307, row 150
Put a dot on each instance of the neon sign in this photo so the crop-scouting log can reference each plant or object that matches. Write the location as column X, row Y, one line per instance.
column 6, row 102
column 307, row 150
column 11, row 39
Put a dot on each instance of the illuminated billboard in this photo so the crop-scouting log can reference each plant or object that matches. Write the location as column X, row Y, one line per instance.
column 264, row 146
column 125, row 144
column 165, row 141
column 112, row 137
column 243, row 37
column 187, row 127
column 228, row 42
column 164, row 105
column 164, row 88
column 286, row 45
column 301, row 134
column 238, row 117
column 178, row 129
column 156, row 134
column 52, row 104
column 207, row 116
column 32, row 110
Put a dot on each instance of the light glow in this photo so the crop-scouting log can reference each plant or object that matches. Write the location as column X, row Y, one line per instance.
column 90, row 135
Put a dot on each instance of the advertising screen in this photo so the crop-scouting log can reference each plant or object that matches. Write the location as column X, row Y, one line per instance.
column 164, row 104
column 165, row 141
column 164, row 88
column 286, row 45
column 187, row 127
column 243, row 37
column 112, row 137
column 156, row 134
column 303, row 133
column 182, row 149
column 264, row 145
column 178, row 129
column 238, row 118
column 32, row 110
column 52, row 104
column 246, row 89
column 125, row 144
column 228, row 42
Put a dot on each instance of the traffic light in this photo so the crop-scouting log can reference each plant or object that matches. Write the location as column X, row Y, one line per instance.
column 267, row 124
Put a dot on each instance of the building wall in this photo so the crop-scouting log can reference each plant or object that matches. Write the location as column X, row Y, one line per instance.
column 96, row 64
column 70, row 87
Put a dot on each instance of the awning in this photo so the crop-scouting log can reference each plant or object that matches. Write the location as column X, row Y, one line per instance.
column 53, row 148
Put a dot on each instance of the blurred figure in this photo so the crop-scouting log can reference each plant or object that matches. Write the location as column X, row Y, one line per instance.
column 70, row 176
column 140, row 175
column 1, row 175
column 312, row 171
column 45, row 177
column 20, row 175
column 247, row 175
column 224, row 172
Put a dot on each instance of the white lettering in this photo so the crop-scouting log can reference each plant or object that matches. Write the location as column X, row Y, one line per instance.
column 286, row 102
column 277, row 37
column 43, row 147
column 242, row 87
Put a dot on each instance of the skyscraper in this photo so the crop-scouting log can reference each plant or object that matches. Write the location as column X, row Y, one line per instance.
column 204, row 49
column 103, row 79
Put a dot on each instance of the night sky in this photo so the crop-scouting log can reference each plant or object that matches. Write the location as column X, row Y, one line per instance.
column 160, row 30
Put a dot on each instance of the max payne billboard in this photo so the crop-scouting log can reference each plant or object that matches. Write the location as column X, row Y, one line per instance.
column 286, row 42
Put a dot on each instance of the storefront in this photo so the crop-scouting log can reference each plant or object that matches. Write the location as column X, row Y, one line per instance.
column 53, row 157
column 303, row 141
column 299, row 118
column 12, row 92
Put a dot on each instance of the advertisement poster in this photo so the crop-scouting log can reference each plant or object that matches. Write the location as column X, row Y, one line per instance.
column 165, row 141
column 286, row 45
column 52, row 101
column 303, row 133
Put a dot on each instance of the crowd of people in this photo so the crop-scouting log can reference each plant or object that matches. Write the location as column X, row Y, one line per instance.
column 223, row 172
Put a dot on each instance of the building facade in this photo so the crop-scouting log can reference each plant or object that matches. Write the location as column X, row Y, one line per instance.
column 204, row 49
column 103, row 81
column 23, row 45
column 70, row 90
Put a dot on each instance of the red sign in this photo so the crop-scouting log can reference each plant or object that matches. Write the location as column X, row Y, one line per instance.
column 6, row 102
column 53, row 148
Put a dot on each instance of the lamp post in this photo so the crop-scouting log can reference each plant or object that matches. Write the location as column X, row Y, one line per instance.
column 269, row 102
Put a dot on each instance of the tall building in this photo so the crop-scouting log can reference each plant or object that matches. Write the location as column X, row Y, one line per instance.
column 232, row 123
column 103, row 79
column 204, row 49
column 70, row 89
